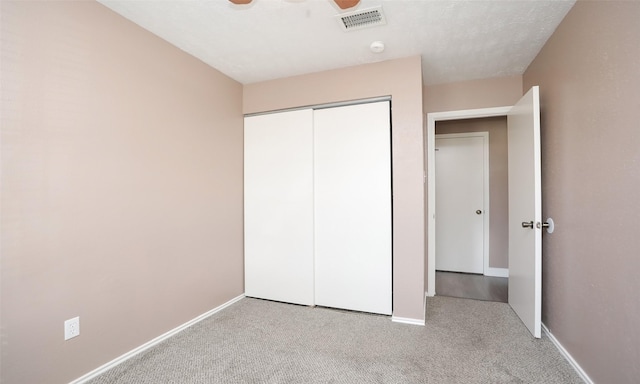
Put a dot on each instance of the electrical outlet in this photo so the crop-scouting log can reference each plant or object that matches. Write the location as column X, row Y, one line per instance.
column 72, row 328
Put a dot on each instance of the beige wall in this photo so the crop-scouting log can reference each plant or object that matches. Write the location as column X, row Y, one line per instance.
column 121, row 188
column 402, row 80
column 589, row 80
column 484, row 93
column 498, row 180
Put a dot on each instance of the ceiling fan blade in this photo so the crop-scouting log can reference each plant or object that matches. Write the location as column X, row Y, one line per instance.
column 345, row 4
column 240, row 2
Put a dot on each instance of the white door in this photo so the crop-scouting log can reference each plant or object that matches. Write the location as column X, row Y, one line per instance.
column 460, row 204
column 278, row 206
column 353, row 207
column 525, row 211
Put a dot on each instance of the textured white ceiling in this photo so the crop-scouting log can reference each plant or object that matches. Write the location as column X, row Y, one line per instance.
column 268, row 39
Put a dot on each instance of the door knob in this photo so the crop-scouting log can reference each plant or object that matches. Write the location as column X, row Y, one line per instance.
column 527, row 224
column 478, row 212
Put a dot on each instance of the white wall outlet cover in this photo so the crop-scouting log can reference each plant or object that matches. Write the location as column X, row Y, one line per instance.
column 71, row 328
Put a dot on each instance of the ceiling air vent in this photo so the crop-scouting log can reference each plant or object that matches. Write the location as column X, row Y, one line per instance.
column 365, row 18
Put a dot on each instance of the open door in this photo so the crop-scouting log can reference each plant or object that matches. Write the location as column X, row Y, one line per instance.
column 525, row 211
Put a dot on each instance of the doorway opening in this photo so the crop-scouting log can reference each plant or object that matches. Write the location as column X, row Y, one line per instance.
column 472, row 208
column 525, row 203
column 453, row 282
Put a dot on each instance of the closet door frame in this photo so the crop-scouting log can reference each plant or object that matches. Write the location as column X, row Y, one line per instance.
column 284, row 268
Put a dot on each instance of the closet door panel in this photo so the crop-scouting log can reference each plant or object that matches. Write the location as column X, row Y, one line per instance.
column 278, row 206
column 352, row 184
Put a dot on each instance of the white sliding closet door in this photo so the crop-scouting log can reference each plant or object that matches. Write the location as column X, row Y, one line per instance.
column 352, row 182
column 278, row 201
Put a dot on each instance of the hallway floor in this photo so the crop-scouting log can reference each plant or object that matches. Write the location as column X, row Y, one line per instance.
column 472, row 286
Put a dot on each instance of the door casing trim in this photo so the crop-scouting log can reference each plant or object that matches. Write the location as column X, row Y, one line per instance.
column 432, row 118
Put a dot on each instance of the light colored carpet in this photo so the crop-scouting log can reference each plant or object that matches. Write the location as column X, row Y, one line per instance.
column 258, row 341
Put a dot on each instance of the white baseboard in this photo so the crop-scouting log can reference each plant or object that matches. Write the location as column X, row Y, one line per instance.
column 496, row 272
column 406, row 320
column 149, row 344
column 583, row 375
